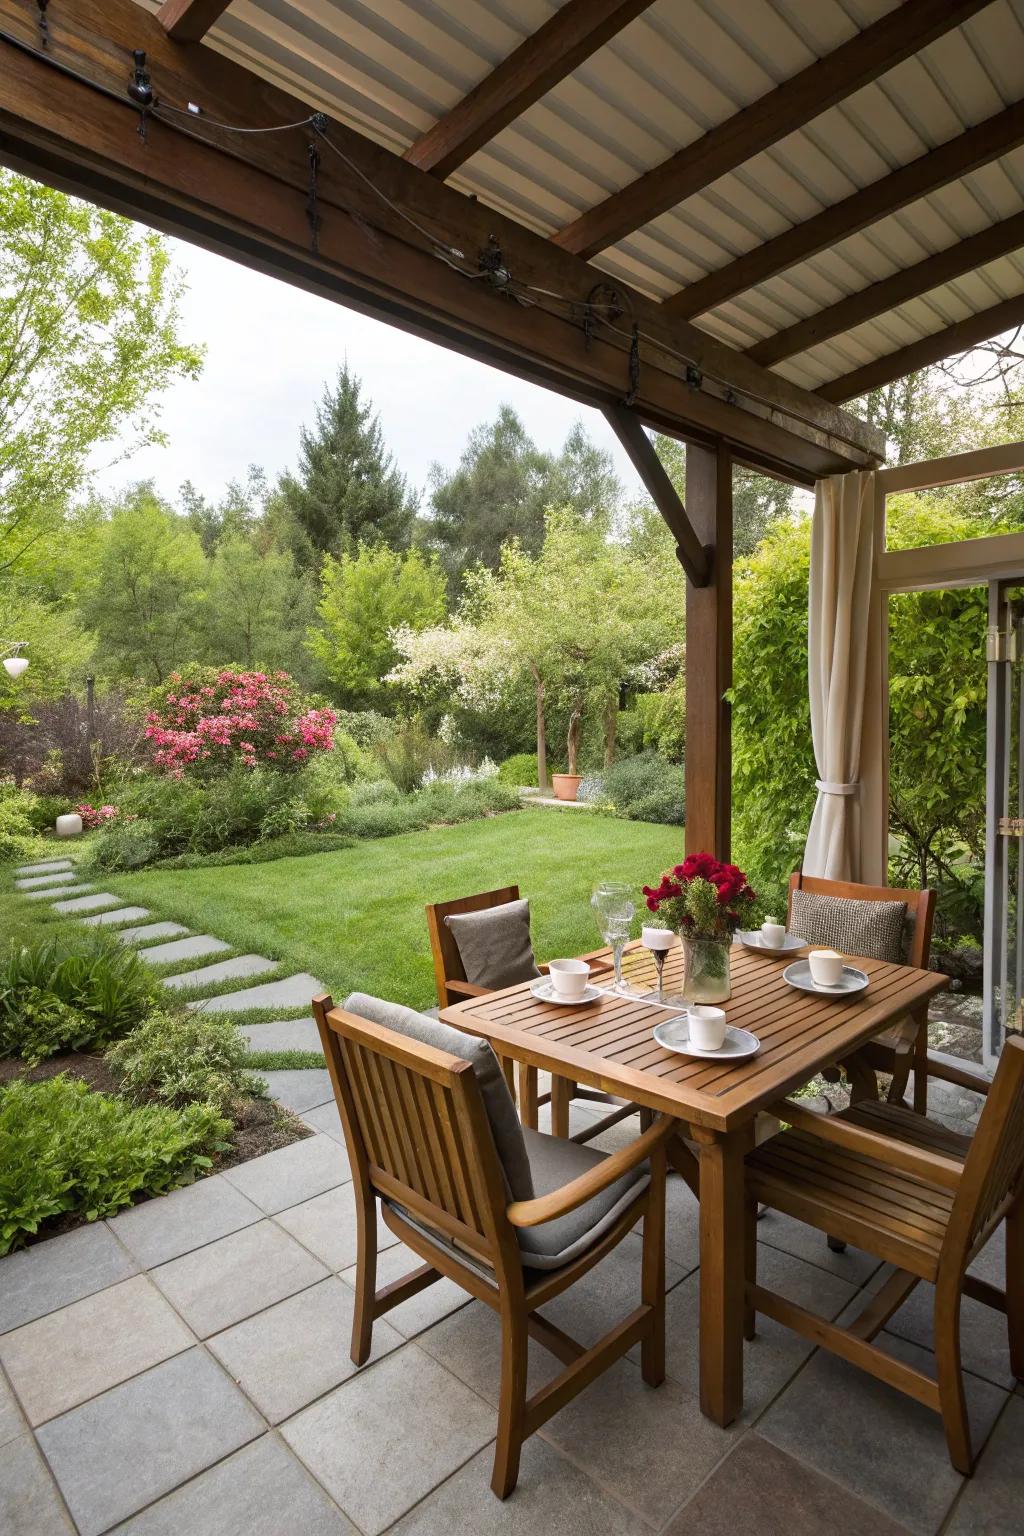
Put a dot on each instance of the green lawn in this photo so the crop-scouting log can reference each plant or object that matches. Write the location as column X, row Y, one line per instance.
column 355, row 918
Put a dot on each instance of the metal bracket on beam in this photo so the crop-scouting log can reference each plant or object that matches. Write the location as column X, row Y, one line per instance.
column 693, row 556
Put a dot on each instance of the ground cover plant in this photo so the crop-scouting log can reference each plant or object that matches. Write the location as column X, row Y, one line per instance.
column 355, row 918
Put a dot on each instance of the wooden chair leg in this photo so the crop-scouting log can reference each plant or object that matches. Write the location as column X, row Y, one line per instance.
column 1015, row 1286
column 512, row 1405
column 528, row 1107
column 652, row 1276
column 921, row 1070
column 900, row 1078
column 561, row 1097
column 366, row 1280
column 952, row 1402
column 752, row 1215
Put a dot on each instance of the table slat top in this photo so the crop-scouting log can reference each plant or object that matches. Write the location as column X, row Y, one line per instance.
column 610, row 1044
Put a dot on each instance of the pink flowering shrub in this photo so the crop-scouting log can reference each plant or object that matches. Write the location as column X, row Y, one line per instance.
column 94, row 816
column 206, row 720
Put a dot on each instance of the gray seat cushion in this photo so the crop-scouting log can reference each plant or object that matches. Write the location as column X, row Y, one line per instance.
column 553, row 1243
column 501, row 1111
column 875, row 929
column 554, row 1162
column 494, row 944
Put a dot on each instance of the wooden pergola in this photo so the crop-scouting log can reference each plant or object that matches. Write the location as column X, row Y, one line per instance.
column 717, row 228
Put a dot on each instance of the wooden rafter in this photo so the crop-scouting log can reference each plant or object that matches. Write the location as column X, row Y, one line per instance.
column 961, row 337
column 881, row 46
column 187, row 21
column 381, row 224
column 576, row 30
column 922, row 277
column 643, row 456
column 996, row 136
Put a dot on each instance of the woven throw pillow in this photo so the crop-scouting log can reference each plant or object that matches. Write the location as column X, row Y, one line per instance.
column 872, row 929
column 494, row 944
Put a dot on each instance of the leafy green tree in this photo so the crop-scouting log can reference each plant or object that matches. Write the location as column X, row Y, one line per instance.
column 58, row 648
column 242, row 507
column 145, row 595
column 257, row 607
column 502, row 488
column 367, row 596
column 347, row 490
column 89, row 321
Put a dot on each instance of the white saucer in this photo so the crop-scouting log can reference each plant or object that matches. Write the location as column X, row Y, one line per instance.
column 850, row 984
column 674, row 1035
column 752, row 938
column 544, row 991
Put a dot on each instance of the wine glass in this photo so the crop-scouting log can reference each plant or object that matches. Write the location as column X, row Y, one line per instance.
column 615, row 909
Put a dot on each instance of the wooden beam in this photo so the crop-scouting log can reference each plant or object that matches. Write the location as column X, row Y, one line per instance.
column 922, row 277
column 996, row 136
column 569, row 37
column 644, row 459
column 804, row 96
column 957, row 338
column 709, row 657
column 954, row 469
column 381, row 225
column 188, row 21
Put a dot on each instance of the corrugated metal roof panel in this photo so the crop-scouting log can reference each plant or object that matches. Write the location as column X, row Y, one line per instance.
column 391, row 68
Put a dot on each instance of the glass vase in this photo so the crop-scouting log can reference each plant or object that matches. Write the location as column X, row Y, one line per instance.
column 707, row 969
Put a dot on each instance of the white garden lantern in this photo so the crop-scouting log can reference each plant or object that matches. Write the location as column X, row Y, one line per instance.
column 69, row 825
column 14, row 664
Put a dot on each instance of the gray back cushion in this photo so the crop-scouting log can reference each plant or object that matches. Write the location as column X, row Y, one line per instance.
column 494, row 944
column 875, row 929
column 501, row 1111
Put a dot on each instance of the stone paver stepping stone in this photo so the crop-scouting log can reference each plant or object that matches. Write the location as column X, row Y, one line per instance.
column 147, row 932
column 184, row 949
column 241, row 965
column 46, row 868
column 301, row 1088
column 37, row 882
column 283, row 1035
column 86, row 903
column 290, row 992
column 119, row 915
column 72, row 886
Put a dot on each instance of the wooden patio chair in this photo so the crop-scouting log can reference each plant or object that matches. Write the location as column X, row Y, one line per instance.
column 918, row 1196
column 452, row 987
column 511, row 1215
column 903, row 1046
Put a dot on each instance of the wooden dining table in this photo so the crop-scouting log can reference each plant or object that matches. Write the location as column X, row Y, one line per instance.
column 609, row 1044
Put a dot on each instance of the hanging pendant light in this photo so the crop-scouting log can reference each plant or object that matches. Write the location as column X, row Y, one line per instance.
column 14, row 664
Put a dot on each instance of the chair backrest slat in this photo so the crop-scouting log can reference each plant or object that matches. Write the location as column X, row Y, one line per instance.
column 409, row 1113
column 447, row 960
column 994, row 1168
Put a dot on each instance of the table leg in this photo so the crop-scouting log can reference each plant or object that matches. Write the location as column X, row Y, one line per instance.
column 561, row 1097
column 722, row 1273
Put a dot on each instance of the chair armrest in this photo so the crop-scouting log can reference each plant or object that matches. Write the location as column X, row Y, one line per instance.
column 935, row 1167
column 958, row 1075
column 530, row 1213
column 468, row 989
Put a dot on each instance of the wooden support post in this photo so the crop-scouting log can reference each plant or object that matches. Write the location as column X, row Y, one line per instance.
column 709, row 655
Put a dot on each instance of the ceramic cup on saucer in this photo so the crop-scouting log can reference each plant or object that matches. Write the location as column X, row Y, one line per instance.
column 707, row 1027
column 773, row 932
column 569, row 977
column 826, row 967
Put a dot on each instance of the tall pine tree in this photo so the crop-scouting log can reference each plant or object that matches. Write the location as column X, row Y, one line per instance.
column 348, row 490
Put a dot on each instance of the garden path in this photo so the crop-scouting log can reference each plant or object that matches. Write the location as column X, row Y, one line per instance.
column 166, row 943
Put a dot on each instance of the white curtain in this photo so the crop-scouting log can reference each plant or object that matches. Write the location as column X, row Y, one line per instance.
column 837, row 641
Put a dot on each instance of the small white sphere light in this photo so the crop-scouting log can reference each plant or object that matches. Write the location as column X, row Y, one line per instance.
column 69, row 825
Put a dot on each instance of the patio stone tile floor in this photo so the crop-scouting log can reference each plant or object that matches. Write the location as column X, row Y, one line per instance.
column 184, row 1368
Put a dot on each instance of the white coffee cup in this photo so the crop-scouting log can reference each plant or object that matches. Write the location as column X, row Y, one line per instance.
column 773, row 932
column 569, row 977
column 826, row 967
column 707, row 1027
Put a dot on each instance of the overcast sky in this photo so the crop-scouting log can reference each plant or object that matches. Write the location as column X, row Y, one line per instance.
column 269, row 350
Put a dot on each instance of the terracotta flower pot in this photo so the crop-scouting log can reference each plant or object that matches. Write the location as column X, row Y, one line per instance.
column 565, row 785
